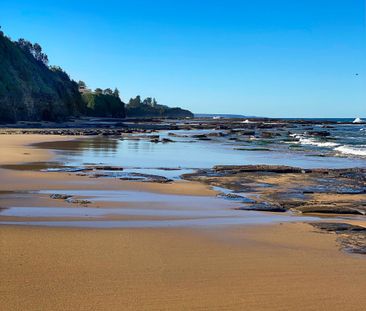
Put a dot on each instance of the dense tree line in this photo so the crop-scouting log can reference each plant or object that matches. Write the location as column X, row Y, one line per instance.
column 149, row 107
column 31, row 89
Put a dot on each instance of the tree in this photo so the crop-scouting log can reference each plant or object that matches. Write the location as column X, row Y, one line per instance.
column 116, row 93
column 154, row 102
column 135, row 101
column 34, row 49
column 82, row 84
column 108, row 91
column 98, row 91
column 148, row 101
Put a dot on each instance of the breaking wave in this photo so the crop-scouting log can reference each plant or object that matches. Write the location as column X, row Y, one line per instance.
column 360, row 151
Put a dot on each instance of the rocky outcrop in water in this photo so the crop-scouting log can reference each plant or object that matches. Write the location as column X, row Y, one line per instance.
column 284, row 188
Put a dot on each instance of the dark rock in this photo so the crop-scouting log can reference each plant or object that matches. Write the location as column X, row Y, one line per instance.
column 351, row 237
column 57, row 196
column 319, row 133
column 167, row 140
column 108, row 168
column 234, row 169
column 337, row 226
column 147, row 178
column 268, row 134
column 78, row 201
column 263, row 207
column 329, row 209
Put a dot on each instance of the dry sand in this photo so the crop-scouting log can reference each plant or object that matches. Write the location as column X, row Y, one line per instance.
column 278, row 267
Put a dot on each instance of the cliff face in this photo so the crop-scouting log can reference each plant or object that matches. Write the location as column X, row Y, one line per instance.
column 30, row 90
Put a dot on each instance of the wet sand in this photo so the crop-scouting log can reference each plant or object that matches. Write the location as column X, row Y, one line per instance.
column 286, row 267
column 272, row 267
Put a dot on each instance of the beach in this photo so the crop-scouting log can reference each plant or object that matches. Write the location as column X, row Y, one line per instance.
column 273, row 266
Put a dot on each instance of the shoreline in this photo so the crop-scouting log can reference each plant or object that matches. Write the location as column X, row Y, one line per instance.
column 292, row 265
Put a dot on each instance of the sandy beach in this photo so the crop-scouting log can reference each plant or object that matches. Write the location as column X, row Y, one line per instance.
column 262, row 267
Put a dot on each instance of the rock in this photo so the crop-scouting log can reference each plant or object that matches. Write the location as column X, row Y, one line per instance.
column 216, row 134
column 146, row 178
column 167, row 140
column 268, row 134
column 337, row 226
column 108, row 168
column 78, row 201
column 98, row 175
column 319, row 133
column 57, row 196
column 351, row 237
column 263, row 207
column 252, row 149
column 236, row 197
column 329, row 209
column 234, row 169
column 247, row 133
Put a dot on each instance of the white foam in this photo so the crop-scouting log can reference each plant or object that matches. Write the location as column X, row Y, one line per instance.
column 358, row 121
column 352, row 150
column 314, row 142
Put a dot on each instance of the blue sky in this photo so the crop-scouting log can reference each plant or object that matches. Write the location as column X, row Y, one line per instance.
column 279, row 58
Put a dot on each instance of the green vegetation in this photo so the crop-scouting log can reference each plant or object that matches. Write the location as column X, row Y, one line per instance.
column 29, row 89
column 150, row 108
column 104, row 105
column 32, row 90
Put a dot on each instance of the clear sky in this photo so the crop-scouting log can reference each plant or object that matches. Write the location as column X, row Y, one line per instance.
column 280, row 58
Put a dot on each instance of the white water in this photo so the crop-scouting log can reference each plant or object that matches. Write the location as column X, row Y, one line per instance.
column 359, row 121
column 360, row 150
column 351, row 150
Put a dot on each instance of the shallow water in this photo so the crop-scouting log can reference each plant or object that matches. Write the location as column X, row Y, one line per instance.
column 159, row 210
column 253, row 219
column 138, row 154
column 185, row 153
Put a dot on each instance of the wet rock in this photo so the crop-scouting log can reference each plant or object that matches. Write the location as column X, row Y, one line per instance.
column 235, row 197
column 98, row 175
column 329, row 209
column 252, row 149
column 167, row 140
column 216, row 134
column 319, row 133
column 234, row 169
column 352, row 238
column 108, row 168
column 268, row 134
column 146, row 178
column 57, row 196
column 78, row 201
column 337, row 227
column 263, row 207
column 247, row 133
column 201, row 137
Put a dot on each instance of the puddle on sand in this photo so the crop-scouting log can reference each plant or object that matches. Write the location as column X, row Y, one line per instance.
column 173, row 211
column 250, row 219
